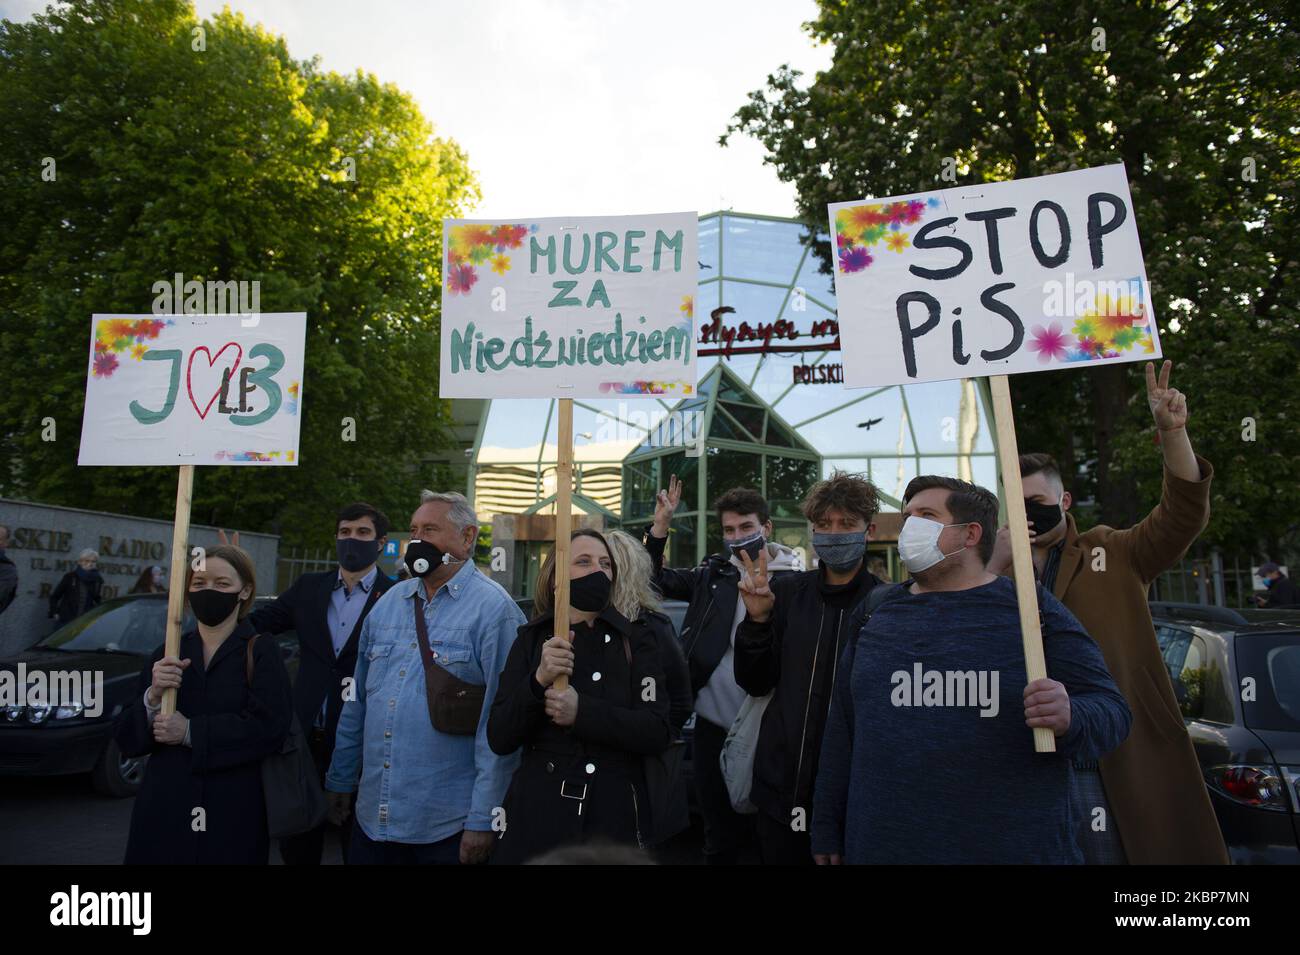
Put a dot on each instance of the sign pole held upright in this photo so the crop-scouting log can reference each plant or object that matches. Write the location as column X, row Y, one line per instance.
column 563, row 524
column 176, row 580
column 1022, row 562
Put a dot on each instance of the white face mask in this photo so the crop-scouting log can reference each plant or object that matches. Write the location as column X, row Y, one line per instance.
column 918, row 543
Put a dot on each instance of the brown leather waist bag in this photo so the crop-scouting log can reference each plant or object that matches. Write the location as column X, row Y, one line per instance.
column 454, row 704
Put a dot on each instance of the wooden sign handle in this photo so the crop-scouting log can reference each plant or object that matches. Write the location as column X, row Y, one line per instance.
column 563, row 524
column 1021, row 559
column 176, row 580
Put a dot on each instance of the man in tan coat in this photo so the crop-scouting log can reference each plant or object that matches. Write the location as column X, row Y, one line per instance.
column 1149, row 803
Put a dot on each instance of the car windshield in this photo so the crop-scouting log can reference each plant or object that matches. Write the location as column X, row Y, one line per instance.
column 133, row 625
column 1273, row 660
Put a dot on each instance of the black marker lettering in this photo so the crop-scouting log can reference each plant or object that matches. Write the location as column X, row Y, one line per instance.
column 990, row 219
column 1001, row 308
column 1063, row 224
column 910, row 334
column 1097, row 228
column 922, row 240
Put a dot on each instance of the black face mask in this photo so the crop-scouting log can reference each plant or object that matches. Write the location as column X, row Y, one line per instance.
column 422, row 558
column 750, row 545
column 1043, row 517
column 212, row 607
column 356, row 554
column 590, row 594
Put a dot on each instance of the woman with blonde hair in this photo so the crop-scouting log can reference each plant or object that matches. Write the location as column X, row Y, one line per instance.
column 635, row 597
column 581, row 778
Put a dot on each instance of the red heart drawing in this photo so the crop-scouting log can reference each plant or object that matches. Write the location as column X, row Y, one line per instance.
column 212, row 361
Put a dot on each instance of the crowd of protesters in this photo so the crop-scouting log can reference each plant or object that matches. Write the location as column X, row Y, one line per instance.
column 838, row 717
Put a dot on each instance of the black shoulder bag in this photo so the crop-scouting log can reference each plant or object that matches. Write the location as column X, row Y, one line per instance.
column 295, row 802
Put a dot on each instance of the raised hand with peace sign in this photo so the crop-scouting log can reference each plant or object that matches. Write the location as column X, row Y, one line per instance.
column 1168, row 405
column 1169, row 409
column 755, row 587
column 665, row 503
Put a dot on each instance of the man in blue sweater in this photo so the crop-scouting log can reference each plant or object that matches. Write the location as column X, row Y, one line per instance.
column 928, row 755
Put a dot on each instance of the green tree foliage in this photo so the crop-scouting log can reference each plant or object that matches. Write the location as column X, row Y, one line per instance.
column 229, row 162
column 1199, row 99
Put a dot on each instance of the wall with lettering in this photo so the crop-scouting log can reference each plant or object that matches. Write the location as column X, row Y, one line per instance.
column 44, row 542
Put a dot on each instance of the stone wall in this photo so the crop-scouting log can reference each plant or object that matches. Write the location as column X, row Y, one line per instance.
column 44, row 542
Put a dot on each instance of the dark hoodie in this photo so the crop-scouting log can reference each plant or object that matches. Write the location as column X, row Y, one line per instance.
column 794, row 655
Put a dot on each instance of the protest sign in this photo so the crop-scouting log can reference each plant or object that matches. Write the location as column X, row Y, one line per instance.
column 989, row 280
column 992, row 279
column 581, row 307
column 578, row 307
column 192, row 389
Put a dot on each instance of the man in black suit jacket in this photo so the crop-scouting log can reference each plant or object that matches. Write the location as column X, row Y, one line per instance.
column 327, row 609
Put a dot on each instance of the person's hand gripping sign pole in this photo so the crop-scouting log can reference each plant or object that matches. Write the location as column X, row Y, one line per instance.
column 986, row 281
column 242, row 379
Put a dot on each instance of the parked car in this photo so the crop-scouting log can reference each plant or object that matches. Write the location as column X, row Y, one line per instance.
column 113, row 640
column 1237, row 681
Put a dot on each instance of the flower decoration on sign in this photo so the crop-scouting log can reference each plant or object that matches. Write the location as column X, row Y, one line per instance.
column 114, row 336
column 644, row 387
column 1110, row 327
column 261, row 457
column 1051, row 343
column 472, row 245
column 858, row 228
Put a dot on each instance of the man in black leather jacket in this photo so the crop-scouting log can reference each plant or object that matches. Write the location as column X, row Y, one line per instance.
column 789, row 645
column 708, row 637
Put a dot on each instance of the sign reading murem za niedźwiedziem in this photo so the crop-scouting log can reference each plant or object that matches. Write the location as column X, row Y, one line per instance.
column 581, row 307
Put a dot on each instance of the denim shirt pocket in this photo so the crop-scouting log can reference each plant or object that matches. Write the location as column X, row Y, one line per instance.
column 454, row 653
column 378, row 656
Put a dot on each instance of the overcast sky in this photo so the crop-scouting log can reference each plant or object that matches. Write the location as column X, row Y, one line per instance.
column 569, row 107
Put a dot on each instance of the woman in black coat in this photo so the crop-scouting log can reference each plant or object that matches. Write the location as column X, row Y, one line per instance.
column 78, row 590
column 205, row 758
column 581, row 778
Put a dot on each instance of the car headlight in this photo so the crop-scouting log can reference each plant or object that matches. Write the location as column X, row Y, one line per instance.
column 68, row 711
column 14, row 712
column 37, row 714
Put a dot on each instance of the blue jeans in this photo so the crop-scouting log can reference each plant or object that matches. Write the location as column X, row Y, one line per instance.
column 366, row 851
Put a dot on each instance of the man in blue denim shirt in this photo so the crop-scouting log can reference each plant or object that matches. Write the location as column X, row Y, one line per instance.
column 426, row 796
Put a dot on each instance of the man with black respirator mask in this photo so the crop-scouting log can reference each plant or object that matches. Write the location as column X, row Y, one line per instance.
column 789, row 645
column 412, row 742
column 326, row 609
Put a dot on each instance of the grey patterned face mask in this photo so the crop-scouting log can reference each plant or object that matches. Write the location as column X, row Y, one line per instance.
column 840, row 552
column 750, row 546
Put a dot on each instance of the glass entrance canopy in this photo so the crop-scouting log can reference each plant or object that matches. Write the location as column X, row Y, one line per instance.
column 763, row 426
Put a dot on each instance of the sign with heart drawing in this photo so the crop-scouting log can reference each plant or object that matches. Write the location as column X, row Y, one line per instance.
column 193, row 389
